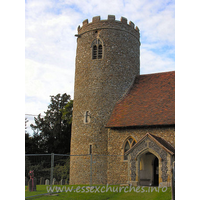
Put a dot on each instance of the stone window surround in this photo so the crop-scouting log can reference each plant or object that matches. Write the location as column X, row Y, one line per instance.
column 123, row 146
column 97, row 42
column 87, row 117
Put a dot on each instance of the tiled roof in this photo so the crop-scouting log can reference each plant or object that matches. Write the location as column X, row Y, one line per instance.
column 164, row 143
column 150, row 101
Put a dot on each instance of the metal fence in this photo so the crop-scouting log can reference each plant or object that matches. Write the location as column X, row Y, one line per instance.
column 50, row 167
column 54, row 169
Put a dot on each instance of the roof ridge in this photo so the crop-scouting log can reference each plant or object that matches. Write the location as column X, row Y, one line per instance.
column 157, row 73
column 154, row 136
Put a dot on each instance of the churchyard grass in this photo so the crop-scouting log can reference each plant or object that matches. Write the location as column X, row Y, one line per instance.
column 145, row 193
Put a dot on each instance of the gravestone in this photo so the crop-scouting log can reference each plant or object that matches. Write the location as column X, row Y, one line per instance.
column 32, row 184
column 42, row 181
column 47, row 182
column 62, row 182
column 26, row 181
column 56, row 183
column 54, row 180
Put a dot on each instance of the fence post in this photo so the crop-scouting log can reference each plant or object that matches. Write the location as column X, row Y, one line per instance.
column 52, row 165
column 90, row 169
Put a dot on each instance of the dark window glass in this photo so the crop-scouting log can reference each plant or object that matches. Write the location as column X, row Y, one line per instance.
column 87, row 117
column 100, row 52
column 90, row 149
column 94, row 55
column 130, row 140
column 127, row 147
column 129, row 143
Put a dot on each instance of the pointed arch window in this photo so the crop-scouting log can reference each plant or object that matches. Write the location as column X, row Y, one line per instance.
column 127, row 145
column 97, row 49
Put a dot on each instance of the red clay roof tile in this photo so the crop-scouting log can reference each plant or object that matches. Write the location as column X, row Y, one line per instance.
column 150, row 101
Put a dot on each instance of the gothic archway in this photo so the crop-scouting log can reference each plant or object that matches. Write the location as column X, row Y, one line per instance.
column 148, row 168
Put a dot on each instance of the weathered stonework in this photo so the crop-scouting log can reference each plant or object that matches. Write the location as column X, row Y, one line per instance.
column 99, row 84
column 165, row 160
column 118, row 136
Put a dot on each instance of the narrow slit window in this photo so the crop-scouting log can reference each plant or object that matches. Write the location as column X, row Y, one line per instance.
column 90, row 151
column 87, row 117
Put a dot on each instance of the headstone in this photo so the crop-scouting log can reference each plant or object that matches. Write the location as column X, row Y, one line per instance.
column 54, row 180
column 56, row 183
column 42, row 181
column 62, row 182
column 26, row 181
column 32, row 184
column 47, row 182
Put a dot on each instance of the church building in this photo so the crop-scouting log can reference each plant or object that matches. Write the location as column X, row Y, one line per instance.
column 124, row 121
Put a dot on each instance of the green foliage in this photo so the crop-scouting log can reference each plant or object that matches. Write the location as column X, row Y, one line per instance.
column 27, row 166
column 52, row 133
column 67, row 112
column 62, row 171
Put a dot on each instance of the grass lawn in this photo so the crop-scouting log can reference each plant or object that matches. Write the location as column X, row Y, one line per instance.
column 99, row 193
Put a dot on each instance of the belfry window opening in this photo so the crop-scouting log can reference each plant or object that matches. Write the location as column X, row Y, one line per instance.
column 94, row 52
column 97, row 49
column 100, row 51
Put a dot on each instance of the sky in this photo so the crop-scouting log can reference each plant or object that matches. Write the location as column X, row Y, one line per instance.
column 46, row 29
column 50, row 42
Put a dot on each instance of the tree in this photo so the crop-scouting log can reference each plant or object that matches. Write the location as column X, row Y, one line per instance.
column 26, row 121
column 31, row 142
column 52, row 133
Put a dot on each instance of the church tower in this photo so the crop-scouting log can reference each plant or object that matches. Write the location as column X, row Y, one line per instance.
column 107, row 61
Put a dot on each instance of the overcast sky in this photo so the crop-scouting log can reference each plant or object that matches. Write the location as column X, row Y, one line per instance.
column 50, row 44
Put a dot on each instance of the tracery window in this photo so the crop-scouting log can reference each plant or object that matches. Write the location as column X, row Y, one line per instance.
column 97, row 49
column 128, row 144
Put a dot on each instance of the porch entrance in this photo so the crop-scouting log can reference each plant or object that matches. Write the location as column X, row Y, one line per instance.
column 148, row 171
column 155, row 172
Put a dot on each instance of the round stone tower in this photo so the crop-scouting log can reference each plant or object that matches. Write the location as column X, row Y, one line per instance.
column 107, row 61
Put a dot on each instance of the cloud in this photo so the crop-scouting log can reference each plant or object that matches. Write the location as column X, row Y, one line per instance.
column 50, row 26
column 43, row 80
column 154, row 63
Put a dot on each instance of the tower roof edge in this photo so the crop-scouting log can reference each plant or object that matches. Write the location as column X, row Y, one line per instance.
column 110, row 22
